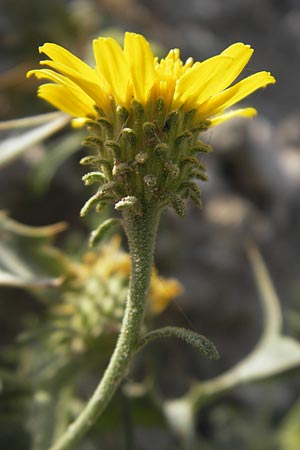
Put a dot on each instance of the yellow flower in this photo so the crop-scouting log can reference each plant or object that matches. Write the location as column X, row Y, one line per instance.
column 111, row 261
column 94, row 297
column 133, row 73
column 145, row 115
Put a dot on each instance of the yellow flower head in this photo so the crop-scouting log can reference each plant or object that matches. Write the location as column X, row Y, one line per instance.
column 133, row 73
column 146, row 115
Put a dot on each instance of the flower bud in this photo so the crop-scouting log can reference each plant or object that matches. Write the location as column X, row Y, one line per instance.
column 141, row 157
column 150, row 180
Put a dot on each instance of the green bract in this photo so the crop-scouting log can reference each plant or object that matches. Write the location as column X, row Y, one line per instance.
column 138, row 161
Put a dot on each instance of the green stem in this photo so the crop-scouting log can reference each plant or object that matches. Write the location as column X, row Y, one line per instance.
column 141, row 233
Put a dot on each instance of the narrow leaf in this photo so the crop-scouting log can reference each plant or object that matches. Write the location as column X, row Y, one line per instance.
column 29, row 121
column 199, row 342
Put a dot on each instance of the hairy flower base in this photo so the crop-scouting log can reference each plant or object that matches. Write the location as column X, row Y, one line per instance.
column 138, row 161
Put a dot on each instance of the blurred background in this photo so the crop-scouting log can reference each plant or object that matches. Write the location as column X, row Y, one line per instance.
column 253, row 192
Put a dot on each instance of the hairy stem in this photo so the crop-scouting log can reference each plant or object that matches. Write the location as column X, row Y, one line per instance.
column 141, row 233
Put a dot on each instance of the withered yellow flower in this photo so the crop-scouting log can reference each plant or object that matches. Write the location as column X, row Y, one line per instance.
column 162, row 291
column 95, row 296
column 121, row 75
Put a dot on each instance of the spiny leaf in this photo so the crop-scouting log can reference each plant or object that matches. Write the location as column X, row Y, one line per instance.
column 89, row 160
column 177, row 204
column 93, row 142
column 93, row 177
column 199, row 342
column 100, row 195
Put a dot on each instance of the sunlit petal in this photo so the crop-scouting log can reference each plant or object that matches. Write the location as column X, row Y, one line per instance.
column 90, row 85
column 243, row 112
column 240, row 54
column 141, row 62
column 200, row 81
column 63, row 56
column 234, row 94
column 112, row 65
column 73, row 102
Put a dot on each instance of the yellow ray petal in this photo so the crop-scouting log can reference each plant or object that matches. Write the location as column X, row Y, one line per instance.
column 197, row 83
column 141, row 62
column 243, row 112
column 240, row 54
column 236, row 93
column 51, row 75
column 248, row 86
column 92, row 86
column 73, row 102
column 112, row 65
column 71, row 87
column 63, row 56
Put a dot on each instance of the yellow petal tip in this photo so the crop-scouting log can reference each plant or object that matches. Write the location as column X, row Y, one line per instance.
column 272, row 79
column 42, row 48
column 78, row 122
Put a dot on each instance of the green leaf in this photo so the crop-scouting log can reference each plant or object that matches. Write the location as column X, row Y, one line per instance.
column 199, row 342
